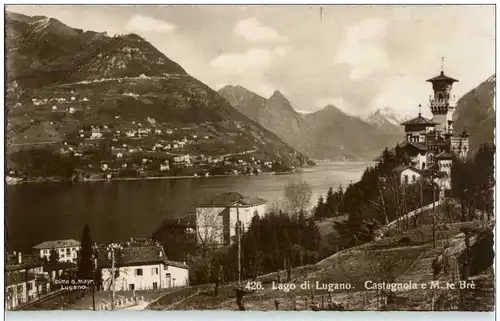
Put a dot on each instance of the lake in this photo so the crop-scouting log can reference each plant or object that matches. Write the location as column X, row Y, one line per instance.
column 118, row 210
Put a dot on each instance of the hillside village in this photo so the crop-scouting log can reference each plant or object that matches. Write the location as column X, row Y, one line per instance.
column 124, row 147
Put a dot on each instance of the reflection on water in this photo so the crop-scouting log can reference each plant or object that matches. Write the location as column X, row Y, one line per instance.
column 120, row 209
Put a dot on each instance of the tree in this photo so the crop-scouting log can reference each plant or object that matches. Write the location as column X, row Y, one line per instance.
column 297, row 196
column 54, row 256
column 319, row 212
column 330, row 208
column 210, row 234
column 174, row 235
column 85, row 268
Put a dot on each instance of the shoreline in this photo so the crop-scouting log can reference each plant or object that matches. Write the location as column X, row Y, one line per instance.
column 13, row 181
column 94, row 180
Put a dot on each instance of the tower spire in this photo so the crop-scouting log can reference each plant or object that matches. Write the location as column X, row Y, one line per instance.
column 442, row 65
column 419, row 110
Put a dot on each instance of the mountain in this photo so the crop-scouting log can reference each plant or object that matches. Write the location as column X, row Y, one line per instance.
column 387, row 120
column 63, row 81
column 475, row 112
column 327, row 133
column 275, row 113
column 334, row 132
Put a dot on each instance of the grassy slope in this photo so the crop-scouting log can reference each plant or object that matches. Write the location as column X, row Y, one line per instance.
column 367, row 262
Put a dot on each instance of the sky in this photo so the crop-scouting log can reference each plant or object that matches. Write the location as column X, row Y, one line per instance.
column 359, row 57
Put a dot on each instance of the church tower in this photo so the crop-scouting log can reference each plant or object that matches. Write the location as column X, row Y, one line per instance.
column 442, row 104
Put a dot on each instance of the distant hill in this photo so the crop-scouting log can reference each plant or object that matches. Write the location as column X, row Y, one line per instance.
column 475, row 112
column 327, row 133
column 61, row 80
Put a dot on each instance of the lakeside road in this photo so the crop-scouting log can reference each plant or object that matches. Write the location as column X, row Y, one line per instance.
column 92, row 180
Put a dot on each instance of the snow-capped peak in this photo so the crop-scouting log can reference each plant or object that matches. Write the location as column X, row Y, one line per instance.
column 386, row 115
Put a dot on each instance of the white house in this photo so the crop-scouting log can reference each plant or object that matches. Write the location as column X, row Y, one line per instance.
column 25, row 280
column 22, row 288
column 142, row 267
column 408, row 174
column 182, row 159
column 216, row 219
column 164, row 167
column 131, row 133
column 67, row 249
column 96, row 135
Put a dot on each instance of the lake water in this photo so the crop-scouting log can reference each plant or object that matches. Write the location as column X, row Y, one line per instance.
column 118, row 210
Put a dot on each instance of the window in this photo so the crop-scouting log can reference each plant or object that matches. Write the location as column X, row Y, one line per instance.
column 406, row 179
column 413, row 178
column 154, row 271
column 155, row 285
column 138, row 272
column 131, row 287
column 30, row 286
column 62, row 256
column 68, row 251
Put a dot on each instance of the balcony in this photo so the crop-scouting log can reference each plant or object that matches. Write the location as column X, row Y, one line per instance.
column 436, row 102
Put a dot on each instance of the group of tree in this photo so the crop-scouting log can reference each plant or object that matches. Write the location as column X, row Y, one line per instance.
column 272, row 243
column 174, row 236
column 284, row 237
column 329, row 207
column 473, row 181
column 379, row 193
column 44, row 162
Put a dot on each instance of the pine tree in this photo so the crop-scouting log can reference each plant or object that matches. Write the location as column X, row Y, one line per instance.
column 331, row 204
column 319, row 213
column 312, row 235
column 85, row 269
column 54, row 256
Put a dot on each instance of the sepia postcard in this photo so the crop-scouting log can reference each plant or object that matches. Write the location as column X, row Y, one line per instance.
column 249, row 157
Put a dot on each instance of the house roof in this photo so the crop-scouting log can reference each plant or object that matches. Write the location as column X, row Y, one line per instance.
column 419, row 120
column 27, row 261
column 18, row 277
column 252, row 200
column 57, row 244
column 444, row 155
column 137, row 255
column 443, row 78
column 401, row 168
column 228, row 199
column 58, row 266
column 413, row 144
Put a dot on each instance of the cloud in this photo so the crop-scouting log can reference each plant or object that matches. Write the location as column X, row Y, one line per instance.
column 249, row 69
column 140, row 23
column 252, row 30
column 237, row 63
column 363, row 49
column 281, row 51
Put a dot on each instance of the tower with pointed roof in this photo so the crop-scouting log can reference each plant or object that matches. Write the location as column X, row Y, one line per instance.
column 432, row 143
column 442, row 103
